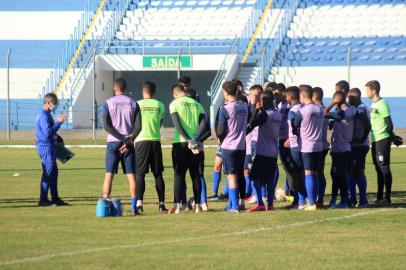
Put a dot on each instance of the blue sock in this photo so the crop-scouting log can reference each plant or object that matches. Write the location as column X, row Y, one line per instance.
column 258, row 188
column 309, row 183
column 226, row 189
column 302, row 198
column 233, row 195
column 316, row 184
column 134, row 203
column 248, row 189
column 229, row 203
column 254, row 190
column 203, row 197
column 362, row 185
column 322, row 189
column 270, row 188
column 352, row 187
column 216, row 181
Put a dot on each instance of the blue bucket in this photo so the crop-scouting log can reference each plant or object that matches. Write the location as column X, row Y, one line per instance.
column 116, row 208
column 103, row 208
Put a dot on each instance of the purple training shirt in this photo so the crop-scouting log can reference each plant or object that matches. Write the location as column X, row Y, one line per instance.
column 311, row 128
column 343, row 131
column 234, row 115
column 268, row 135
column 293, row 139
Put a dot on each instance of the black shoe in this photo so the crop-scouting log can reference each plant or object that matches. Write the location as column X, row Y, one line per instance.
column 44, row 203
column 140, row 209
column 59, row 202
column 162, row 209
column 135, row 212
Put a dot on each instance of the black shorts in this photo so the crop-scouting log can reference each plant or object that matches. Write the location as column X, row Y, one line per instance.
column 183, row 159
column 219, row 154
column 311, row 161
column 233, row 161
column 381, row 152
column 295, row 161
column 148, row 154
column 358, row 155
column 341, row 163
column 263, row 168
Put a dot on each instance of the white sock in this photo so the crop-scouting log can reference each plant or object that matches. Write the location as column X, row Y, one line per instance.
column 139, row 202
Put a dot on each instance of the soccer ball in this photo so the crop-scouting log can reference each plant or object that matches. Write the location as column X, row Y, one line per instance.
column 280, row 195
column 191, row 203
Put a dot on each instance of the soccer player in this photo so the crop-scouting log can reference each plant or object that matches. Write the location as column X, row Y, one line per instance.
column 231, row 130
column 309, row 122
column 318, row 100
column 188, row 118
column 46, row 140
column 122, row 122
column 381, row 138
column 268, row 121
column 148, row 151
column 343, row 86
column 295, row 158
column 203, row 198
column 359, row 148
column 279, row 92
column 343, row 128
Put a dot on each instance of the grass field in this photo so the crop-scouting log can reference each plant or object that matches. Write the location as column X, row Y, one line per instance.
column 73, row 238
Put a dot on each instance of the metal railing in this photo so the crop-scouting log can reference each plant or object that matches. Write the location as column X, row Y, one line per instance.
column 239, row 46
column 76, row 39
column 274, row 44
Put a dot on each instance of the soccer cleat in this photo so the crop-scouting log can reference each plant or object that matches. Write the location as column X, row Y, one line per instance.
column 257, row 208
column 197, row 208
column 291, row 206
column 352, row 202
column 319, row 205
column 59, row 202
column 222, row 197
column 310, row 207
column 184, row 207
column 252, row 200
column 383, row 202
column 364, row 205
column 301, row 206
column 332, row 205
column 140, row 209
column 204, row 207
column 233, row 210
column 44, row 203
column 270, row 207
column 342, row 205
column 214, row 199
column 162, row 209
column 135, row 212
column 174, row 210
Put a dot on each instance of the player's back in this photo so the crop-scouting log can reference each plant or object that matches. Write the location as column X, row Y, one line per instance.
column 236, row 114
column 293, row 139
column 268, row 135
column 152, row 113
column 311, row 128
column 359, row 128
column 343, row 130
column 284, row 110
column 122, row 110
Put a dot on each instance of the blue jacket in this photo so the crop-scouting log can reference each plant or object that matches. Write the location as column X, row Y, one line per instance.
column 46, row 129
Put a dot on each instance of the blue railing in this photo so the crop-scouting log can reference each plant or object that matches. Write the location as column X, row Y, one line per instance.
column 273, row 45
column 71, row 46
column 239, row 46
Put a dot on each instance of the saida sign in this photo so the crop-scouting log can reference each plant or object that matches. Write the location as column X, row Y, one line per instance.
column 168, row 62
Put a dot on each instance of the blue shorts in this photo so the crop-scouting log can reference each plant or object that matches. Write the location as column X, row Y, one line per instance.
column 312, row 161
column 247, row 162
column 233, row 161
column 219, row 154
column 113, row 158
column 295, row 160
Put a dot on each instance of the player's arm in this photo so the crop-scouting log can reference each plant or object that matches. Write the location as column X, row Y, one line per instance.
column 260, row 118
column 108, row 126
column 337, row 115
column 137, row 125
column 297, row 121
column 389, row 125
column 204, row 128
column 291, row 119
column 178, row 126
column 222, row 129
column 49, row 128
column 361, row 115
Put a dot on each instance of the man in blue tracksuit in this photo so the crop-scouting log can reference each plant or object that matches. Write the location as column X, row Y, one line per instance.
column 46, row 140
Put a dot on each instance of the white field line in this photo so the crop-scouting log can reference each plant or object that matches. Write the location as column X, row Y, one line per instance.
column 186, row 239
column 104, row 146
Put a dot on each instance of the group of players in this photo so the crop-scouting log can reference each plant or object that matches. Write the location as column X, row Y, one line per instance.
column 252, row 130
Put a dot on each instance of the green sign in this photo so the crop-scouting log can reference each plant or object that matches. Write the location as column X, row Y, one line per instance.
column 166, row 61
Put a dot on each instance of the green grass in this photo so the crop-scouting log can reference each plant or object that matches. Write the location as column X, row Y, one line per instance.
column 327, row 239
